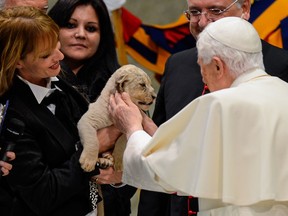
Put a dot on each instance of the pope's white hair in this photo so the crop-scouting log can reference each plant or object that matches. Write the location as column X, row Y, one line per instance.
column 237, row 61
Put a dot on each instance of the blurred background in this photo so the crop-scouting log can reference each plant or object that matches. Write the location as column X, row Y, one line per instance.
column 154, row 12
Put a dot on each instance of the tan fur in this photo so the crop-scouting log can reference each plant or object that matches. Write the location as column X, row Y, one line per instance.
column 137, row 84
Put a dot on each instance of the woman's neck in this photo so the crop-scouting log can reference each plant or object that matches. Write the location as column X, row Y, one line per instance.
column 75, row 66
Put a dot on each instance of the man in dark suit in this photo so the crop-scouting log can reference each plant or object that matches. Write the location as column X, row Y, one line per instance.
column 182, row 83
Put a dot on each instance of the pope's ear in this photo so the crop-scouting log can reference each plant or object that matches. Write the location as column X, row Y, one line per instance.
column 219, row 66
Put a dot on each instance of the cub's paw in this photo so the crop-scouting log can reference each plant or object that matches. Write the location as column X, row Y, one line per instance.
column 87, row 163
column 106, row 161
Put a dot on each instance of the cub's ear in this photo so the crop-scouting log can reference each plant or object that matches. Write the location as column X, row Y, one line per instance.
column 120, row 83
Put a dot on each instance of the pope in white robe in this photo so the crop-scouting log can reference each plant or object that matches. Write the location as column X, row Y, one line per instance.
column 229, row 148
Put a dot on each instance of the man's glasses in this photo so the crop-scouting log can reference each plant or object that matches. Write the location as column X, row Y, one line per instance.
column 211, row 14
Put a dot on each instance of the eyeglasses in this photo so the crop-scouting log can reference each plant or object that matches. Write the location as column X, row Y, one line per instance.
column 211, row 14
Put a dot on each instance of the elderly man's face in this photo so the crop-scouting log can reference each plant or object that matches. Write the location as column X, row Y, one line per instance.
column 216, row 74
column 41, row 4
column 205, row 5
column 209, row 75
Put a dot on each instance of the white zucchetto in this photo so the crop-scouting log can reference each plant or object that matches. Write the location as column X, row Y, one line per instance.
column 236, row 33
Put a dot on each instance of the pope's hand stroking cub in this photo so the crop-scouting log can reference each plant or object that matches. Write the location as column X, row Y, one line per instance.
column 128, row 78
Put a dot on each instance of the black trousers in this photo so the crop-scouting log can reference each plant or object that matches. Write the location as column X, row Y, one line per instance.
column 161, row 204
column 117, row 200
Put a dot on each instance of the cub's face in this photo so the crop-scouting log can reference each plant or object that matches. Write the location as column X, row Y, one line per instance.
column 138, row 85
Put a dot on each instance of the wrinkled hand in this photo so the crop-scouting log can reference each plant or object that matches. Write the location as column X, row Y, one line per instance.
column 107, row 138
column 125, row 114
column 6, row 167
column 148, row 125
column 108, row 176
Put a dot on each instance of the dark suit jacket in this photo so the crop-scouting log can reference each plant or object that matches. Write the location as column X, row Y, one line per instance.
column 182, row 83
column 46, row 178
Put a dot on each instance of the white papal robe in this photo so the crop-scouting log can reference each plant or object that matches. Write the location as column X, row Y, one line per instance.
column 229, row 148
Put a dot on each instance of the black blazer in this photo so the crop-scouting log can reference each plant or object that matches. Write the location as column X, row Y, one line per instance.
column 46, row 178
column 182, row 83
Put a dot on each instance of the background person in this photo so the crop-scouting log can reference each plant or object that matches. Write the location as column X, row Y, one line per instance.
column 202, row 150
column 41, row 4
column 87, row 42
column 182, row 83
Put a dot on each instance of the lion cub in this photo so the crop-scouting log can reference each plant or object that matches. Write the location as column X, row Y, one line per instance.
column 127, row 78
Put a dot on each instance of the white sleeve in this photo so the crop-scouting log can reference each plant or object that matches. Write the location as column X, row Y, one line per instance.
column 136, row 171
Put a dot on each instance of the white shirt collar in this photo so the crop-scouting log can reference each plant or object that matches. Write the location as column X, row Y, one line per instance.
column 41, row 92
column 248, row 75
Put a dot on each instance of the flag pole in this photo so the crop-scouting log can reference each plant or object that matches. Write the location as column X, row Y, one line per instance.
column 118, row 31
